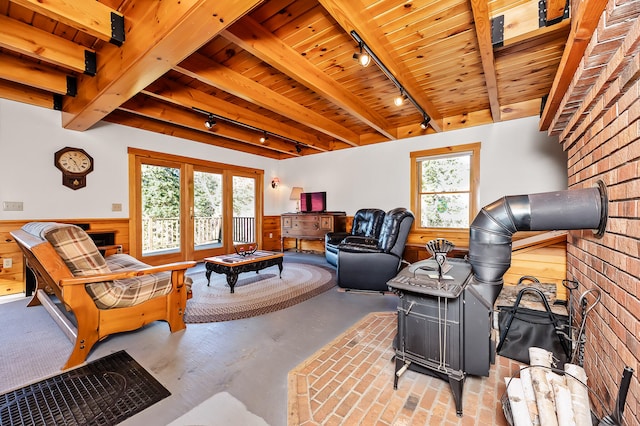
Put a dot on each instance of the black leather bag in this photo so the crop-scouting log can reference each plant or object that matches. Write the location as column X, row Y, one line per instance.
column 522, row 328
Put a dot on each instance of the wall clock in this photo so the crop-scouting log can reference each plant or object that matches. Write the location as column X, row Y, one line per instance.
column 75, row 164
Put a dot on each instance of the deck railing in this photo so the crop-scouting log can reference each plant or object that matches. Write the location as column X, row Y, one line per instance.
column 164, row 233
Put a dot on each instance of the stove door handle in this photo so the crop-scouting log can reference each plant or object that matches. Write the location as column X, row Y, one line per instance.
column 409, row 308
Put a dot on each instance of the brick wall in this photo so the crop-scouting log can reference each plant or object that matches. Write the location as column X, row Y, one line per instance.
column 599, row 127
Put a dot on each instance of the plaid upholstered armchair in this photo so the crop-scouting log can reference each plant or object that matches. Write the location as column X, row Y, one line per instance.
column 106, row 295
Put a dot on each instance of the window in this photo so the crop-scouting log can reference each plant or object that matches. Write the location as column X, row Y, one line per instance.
column 188, row 208
column 444, row 186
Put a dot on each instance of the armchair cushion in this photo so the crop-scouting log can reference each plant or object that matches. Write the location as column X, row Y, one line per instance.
column 365, row 241
column 359, row 245
column 129, row 291
column 394, row 232
column 335, row 238
column 355, row 247
column 367, row 222
column 75, row 247
column 366, row 225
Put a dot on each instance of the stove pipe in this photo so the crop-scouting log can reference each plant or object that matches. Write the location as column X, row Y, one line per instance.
column 491, row 231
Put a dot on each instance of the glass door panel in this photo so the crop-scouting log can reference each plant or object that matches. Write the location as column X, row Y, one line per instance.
column 160, row 199
column 207, row 210
column 244, row 209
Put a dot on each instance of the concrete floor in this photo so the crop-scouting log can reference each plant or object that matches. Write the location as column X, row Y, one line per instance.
column 247, row 358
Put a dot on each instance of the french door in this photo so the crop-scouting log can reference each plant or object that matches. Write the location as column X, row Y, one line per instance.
column 189, row 209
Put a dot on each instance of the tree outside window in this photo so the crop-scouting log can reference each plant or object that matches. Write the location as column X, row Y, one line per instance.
column 445, row 186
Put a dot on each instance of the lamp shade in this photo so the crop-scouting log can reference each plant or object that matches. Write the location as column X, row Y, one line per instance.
column 295, row 193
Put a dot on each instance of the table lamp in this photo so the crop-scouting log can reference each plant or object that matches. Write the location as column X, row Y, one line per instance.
column 295, row 195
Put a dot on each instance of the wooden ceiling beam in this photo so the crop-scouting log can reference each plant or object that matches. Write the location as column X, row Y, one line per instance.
column 483, row 32
column 521, row 109
column 152, row 108
column 128, row 119
column 25, row 94
column 36, row 75
column 352, row 15
column 254, row 38
column 91, row 17
column 522, row 23
column 158, row 37
column 555, row 10
column 38, row 44
column 214, row 74
column 464, row 121
column 584, row 22
column 187, row 97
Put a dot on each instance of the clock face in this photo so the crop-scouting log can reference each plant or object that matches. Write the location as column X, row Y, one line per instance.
column 75, row 162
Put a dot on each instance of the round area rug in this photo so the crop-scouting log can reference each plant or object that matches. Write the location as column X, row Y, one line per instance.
column 255, row 294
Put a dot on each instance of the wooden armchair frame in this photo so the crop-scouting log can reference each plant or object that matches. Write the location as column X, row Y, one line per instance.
column 94, row 324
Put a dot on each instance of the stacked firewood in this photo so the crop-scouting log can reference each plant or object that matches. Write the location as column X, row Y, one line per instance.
column 542, row 397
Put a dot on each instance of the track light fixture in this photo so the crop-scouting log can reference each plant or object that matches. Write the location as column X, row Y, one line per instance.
column 425, row 122
column 398, row 100
column 264, row 137
column 363, row 58
column 298, row 148
column 210, row 122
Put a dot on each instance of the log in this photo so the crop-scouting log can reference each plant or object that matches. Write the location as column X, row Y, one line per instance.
column 539, row 356
column 541, row 387
column 564, row 407
column 577, row 384
column 529, row 395
column 517, row 402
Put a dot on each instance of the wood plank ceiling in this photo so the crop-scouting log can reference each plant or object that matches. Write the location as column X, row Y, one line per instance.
column 283, row 69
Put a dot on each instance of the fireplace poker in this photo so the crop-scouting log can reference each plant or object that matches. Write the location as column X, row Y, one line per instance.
column 578, row 352
column 571, row 286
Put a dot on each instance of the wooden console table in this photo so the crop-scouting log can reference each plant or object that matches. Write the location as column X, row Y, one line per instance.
column 311, row 226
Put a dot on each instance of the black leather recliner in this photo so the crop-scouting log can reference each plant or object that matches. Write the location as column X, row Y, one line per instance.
column 363, row 266
column 366, row 226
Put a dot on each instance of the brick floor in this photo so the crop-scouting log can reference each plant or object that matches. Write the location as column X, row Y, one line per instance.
column 350, row 382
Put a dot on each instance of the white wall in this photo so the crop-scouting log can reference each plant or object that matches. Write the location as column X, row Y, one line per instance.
column 29, row 137
column 515, row 159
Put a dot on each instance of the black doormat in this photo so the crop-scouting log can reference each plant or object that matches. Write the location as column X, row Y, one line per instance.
column 103, row 392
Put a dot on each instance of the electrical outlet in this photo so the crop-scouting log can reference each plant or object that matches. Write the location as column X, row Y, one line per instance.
column 270, row 234
column 12, row 206
column 7, row 262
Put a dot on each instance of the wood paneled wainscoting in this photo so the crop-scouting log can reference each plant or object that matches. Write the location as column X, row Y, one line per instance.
column 12, row 280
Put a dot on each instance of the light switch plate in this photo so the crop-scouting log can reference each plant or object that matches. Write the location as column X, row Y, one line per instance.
column 7, row 262
column 12, row 206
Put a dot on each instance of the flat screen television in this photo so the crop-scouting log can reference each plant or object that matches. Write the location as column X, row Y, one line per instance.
column 313, row 202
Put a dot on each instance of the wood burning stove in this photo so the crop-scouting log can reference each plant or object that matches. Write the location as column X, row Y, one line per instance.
column 444, row 324
column 445, row 305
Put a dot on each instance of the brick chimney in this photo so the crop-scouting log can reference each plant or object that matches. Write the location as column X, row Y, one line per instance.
column 598, row 123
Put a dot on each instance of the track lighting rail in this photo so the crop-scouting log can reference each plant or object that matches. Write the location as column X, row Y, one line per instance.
column 403, row 92
column 212, row 118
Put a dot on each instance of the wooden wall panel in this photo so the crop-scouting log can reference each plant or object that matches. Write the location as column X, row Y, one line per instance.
column 543, row 256
column 271, row 233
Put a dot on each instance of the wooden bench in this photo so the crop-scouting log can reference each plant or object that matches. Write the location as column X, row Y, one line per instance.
column 87, row 295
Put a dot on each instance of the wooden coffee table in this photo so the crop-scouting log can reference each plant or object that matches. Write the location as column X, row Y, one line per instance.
column 234, row 264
